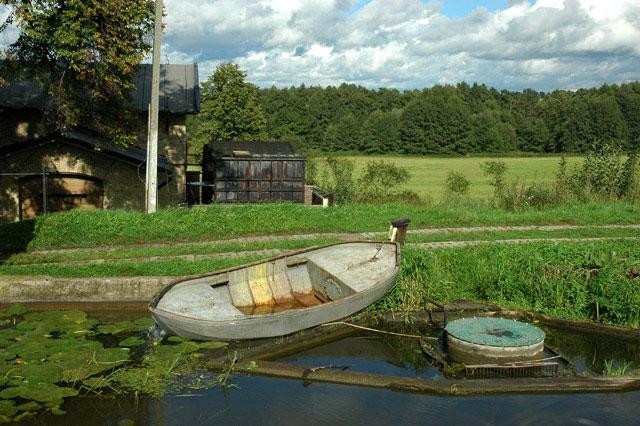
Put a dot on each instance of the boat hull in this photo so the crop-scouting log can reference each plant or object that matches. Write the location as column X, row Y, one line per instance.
column 278, row 323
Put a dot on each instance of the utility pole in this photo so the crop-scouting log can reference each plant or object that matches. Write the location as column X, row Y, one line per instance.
column 151, row 183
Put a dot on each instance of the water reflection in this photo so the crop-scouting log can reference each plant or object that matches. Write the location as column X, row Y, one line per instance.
column 278, row 401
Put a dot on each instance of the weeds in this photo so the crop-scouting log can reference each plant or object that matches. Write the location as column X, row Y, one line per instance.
column 604, row 176
column 610, row 370
column 565, row 280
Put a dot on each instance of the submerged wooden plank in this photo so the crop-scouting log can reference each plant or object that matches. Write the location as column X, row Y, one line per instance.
column 441, row 386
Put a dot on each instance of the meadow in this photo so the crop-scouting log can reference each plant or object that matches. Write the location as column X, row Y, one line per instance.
column 428, row 174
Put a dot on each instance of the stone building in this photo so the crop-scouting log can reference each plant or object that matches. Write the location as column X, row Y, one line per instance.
column 82, row 169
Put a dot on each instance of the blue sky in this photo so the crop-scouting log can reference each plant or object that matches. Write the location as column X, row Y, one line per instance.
column 408, row 44
column 455, row 8
column 461, row 8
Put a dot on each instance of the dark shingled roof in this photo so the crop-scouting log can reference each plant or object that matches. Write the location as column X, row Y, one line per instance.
column 91, row 141
column 179, row 90
column 262, row 149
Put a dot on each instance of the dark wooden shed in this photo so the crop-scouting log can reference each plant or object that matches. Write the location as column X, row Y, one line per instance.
column 251, row 172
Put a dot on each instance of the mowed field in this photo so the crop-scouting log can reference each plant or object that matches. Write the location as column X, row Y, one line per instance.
column 428, row 174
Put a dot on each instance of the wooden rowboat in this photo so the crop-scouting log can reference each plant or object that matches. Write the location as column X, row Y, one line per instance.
column 281, row 295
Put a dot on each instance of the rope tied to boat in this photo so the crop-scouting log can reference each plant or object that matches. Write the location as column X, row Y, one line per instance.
column 412, row 336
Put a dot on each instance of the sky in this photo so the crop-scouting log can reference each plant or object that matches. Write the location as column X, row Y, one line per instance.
column 408, row 44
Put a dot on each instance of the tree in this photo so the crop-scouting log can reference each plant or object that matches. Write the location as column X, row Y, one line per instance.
column 229, row 109
column 380, row 132
column 84, row 54
column 343, row 135
column 437, row 122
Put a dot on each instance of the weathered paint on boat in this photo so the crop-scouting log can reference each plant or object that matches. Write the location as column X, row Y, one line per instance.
column 281, row 295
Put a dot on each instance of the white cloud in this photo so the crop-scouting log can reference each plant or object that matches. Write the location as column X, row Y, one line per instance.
column 544, row 44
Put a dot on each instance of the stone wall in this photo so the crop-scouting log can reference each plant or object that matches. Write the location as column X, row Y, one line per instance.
column 122, row 186
column 122, row 181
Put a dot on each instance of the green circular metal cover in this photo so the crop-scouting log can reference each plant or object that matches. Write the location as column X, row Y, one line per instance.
column 499, row 332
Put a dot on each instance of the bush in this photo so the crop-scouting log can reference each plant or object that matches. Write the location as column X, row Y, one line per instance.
column 341, row 179
column 380, row 182
column 457, row 183
column 495, row 171
column 605, row 174
column 311, row 171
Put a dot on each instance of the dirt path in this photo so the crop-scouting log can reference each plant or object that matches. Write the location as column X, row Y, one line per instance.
column 339, row 235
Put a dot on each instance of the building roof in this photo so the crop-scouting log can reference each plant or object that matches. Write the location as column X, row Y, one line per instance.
column 91, row 141
column 179, row 90
column 254, row 149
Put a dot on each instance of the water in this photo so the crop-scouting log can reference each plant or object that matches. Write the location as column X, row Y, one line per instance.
column 270, row 401
column 262, row 400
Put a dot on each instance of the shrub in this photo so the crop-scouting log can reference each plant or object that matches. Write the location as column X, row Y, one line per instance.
column 604, row 173
column 379, row 181
column 457, row 183
column 340, row 179
column 495, row 171
column 518, row 196
column 311, row 171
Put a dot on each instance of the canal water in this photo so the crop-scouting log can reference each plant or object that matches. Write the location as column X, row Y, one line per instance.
column 254, row 400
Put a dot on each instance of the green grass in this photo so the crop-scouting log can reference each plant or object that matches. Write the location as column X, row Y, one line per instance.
column 170, row 250
column 507, row 235
column 596, row 281
column 175, row 267
column 113, row 227
column 428, row 174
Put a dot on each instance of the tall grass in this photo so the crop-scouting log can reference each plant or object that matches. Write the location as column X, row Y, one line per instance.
column 598, row 281
column 605, row 175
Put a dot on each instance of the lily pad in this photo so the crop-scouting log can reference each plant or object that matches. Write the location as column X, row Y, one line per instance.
column 32, row 347
column 41, row 392
column 6, row 355
column 13, row 311
column 29, row 406
column 126, row 326
column 70, row 322
column 57, row 411
column 212, row 345
column 35, row 373
column 7, row 408
column 131, row 341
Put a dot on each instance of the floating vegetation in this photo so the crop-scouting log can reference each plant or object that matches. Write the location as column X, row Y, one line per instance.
column 131, row 341
column 48, row 356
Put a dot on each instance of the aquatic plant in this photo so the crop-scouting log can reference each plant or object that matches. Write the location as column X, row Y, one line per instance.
column 48, row 356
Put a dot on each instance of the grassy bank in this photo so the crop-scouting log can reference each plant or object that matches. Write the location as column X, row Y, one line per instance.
column 596, row 281
column 113, row 227
column 174, row 267
column 524, row 234
column 578, row 280
column 169, row 250
column 141, row 252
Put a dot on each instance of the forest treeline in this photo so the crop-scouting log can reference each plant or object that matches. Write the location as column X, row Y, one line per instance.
column 447, row 119
column 457, row 119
